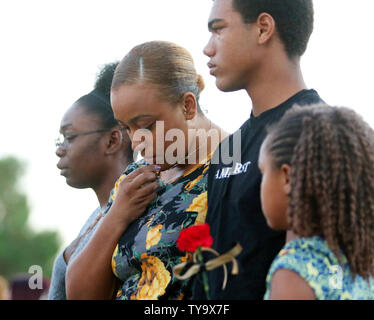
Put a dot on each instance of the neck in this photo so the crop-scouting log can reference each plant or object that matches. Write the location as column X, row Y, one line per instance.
column 103, row 189
column 200, row 148
column 276, row 82
column 290, row 235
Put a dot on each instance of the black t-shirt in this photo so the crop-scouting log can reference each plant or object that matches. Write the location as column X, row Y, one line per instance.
column 234, row 208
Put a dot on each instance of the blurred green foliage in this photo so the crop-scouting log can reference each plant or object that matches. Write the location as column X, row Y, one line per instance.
column 20, row 246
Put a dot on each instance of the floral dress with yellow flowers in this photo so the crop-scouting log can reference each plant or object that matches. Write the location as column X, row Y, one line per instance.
column 312, row 260
column 146, row 253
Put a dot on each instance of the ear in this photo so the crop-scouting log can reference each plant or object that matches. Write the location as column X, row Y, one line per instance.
column 266, row 28
column 114, row 143
column 286, row 178
column 189, row 105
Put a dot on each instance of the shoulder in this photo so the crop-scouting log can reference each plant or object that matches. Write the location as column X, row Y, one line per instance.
column 306, row 97
column 90, row 220
column 306, row 261
column 305, row 249
column 311, row 96
column 134, row 166
column 57, row 286
column 289, row 285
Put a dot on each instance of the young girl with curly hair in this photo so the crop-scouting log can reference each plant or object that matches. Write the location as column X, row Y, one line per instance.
column 318, row 183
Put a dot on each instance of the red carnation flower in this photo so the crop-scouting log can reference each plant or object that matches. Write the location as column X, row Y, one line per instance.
column 193, row 237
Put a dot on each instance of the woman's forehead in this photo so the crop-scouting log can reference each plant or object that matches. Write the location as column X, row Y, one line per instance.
column 77, row 116
column 133, row 102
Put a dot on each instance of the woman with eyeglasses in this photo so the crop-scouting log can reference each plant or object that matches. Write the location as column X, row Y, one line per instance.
column 93, row 152
column 155, row 93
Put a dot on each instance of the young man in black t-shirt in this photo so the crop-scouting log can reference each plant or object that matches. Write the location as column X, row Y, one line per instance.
column 255, row 45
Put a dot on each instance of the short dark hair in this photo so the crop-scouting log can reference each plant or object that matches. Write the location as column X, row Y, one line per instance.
column 294, row 20
column 97, row 102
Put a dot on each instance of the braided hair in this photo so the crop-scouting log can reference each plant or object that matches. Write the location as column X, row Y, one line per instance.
column 331, row 154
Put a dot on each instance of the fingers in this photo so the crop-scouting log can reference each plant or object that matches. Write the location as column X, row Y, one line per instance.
column 147, row 199
column 139, row 188
column 150, row 198
column 147, row 190
column 133, row 175
column 142, row 180
column 141, row 203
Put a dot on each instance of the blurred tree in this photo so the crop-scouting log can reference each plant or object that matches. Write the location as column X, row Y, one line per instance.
column 20, row 246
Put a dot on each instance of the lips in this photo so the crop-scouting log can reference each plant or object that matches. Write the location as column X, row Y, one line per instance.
column 64, row 172
column 63, row 169
column 212, row 67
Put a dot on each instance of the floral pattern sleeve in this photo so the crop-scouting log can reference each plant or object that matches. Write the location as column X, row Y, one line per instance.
column 312, row 260
column 146, row 253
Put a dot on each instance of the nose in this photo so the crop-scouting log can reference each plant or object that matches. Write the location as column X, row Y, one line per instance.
column 134, row 145
column 60, row 151
column 138, row 144
column 209, row 48
column 140, row 139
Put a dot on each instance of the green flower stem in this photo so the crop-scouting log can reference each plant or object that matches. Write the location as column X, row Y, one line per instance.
column 203, row 274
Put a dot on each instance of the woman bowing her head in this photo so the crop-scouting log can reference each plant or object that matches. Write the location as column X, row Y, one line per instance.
column 92, row 152
column 155, row 98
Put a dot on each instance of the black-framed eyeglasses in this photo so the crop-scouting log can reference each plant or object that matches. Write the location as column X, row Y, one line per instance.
column 63, row 140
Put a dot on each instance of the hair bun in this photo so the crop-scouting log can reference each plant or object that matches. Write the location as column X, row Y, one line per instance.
column 200, row 82
column 104, row 78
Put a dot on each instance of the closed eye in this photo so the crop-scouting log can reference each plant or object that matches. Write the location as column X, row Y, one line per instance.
column 150, row 126
column 216, row 25
column 70, row 137
column 216, row 29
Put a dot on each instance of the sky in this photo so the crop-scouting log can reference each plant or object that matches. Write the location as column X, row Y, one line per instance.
column 52, row 51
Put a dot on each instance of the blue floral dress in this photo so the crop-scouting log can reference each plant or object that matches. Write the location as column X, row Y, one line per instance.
column 311, row 259
column 146, row 253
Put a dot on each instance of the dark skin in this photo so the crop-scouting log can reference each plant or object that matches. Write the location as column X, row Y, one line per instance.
column 275, row 190
column 251, row 57
column 288, row 285
column 139, row 107
column 89, row 161
column 135, row 192
column 136, row 107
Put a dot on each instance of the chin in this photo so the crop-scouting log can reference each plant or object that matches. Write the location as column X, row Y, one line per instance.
column 76, row 184
column 227, row 87
column 276, row 226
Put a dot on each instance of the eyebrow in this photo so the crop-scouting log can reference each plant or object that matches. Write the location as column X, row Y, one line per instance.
column 212, row 22
column 139, row 117
column 65, row 126
column 133, row 120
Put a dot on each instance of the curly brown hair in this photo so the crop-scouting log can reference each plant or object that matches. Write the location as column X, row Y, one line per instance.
column 331, row 154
